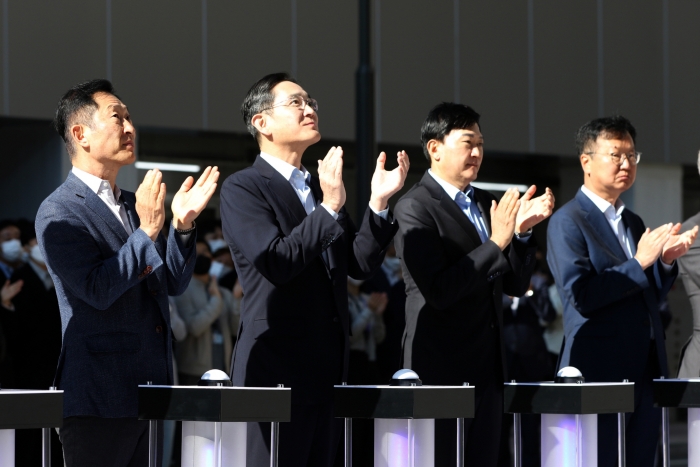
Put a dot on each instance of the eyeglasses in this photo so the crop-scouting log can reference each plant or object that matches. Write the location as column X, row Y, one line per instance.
column 618, row 159
column 296, row 102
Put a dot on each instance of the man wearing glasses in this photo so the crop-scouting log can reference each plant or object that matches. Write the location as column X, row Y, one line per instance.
column 294, row 245
column 613, row 273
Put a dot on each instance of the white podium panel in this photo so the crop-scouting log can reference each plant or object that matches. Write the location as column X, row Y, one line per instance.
column 570, row 440
column 694, row 437
column 404, row 442
column 214, row 444
column 7, row 448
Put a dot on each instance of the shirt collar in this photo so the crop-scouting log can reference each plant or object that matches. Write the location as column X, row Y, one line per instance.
column 610, row 211
column 451, row 190
column 96, row 184
column 285, row 169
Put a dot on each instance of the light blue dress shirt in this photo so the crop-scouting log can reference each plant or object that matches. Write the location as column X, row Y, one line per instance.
column 466, row 204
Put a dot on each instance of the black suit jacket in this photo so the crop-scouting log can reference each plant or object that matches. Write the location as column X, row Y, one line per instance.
column 454, row 286
column 294, row 314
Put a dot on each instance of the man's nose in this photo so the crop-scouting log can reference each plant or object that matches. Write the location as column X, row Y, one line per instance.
column 129, row 127
column 308, row 110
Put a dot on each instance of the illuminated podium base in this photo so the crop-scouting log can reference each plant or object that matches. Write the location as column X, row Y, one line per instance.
column 214, row 427
column 569, row 411
column 404, row 419
column 682, row 393
column 28, row 409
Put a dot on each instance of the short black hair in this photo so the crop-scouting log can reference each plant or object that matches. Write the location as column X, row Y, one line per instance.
column 260, row 97
column 78, row 106
column 616, row 126
column 442, row 119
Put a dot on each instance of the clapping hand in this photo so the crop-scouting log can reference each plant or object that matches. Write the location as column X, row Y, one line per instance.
column 652, row 243
column 533, row 210
column 503, row 215
column 9, row 291
column 386, row 183
column 150, row 199
column 678, row 244
column 192, row 198
column 330, row 176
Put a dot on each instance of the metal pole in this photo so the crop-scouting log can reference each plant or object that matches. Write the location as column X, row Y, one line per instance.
column 665, row 444
column 460, row 442
column 517, row 441
column 274, row 439
column 46, row 447
column 621, row 454
column 348, row 442
column 364, row 111
column 152, row 440
column 274, row 443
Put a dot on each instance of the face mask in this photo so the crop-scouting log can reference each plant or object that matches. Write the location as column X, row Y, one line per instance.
column 392, row 263
column 217, row 244
column 12, row 250
column 216, row 269
column 36, row 255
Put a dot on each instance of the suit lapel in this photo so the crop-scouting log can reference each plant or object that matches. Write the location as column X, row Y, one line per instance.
column 450, row 208
column 96, row 205
column 633, row 230
column 483, row 200
column 601, row 225
column 129, row 201
column 281, row 188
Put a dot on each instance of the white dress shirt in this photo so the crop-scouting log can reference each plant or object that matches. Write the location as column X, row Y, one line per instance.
column 109, row 196
column 613, row 214
column 300, row 179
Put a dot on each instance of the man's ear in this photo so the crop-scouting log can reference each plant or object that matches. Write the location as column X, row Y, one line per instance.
column 586, row 160
column 260, row 122
column 80, row 133
column 432, row 147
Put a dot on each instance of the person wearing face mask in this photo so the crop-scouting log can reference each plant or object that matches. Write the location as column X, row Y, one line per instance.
column 35, row 346
column 12, row 252
column 211, row 323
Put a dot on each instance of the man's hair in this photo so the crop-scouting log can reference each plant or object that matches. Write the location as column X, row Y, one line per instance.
column 444, row 118
column 260, row 97
column 607, row 127
column 77, row 106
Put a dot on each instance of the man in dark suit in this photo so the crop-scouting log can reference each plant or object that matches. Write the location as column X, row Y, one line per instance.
column 689, row 266
column 113, row 273
column 612, row 274
column 458, row 259
column 294, row 245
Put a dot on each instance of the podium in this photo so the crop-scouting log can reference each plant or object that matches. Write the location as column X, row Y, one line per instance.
column 28, row 409
column 217, row 434
column 683, row 393
column 569, row 414
column 404, row 420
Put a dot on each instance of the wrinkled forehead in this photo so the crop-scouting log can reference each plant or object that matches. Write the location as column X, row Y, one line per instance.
column 106, row 101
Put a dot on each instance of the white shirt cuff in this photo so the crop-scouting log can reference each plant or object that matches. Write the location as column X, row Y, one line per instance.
column 384, row 214
column 330, row 211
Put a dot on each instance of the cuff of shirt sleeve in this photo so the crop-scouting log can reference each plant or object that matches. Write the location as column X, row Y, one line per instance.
column 668, row 267
column 330, row 211
column 384, row 214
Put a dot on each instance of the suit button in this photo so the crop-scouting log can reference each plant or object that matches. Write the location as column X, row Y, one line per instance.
column 335, row 320
column 154, row 292
column 159, row 329
column 491, row 325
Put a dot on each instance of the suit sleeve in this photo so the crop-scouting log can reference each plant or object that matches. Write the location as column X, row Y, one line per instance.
column 367, row 246
column 77, row 259
column 586, row 288
column 441, row 280
column 179, row 260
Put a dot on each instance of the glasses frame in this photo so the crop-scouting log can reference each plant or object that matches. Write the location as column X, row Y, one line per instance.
column 286, row 103
column 611, row 156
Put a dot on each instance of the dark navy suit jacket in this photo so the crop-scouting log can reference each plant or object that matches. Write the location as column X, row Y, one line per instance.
column 294, row 314
column 611, row 305
column 113, row 295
